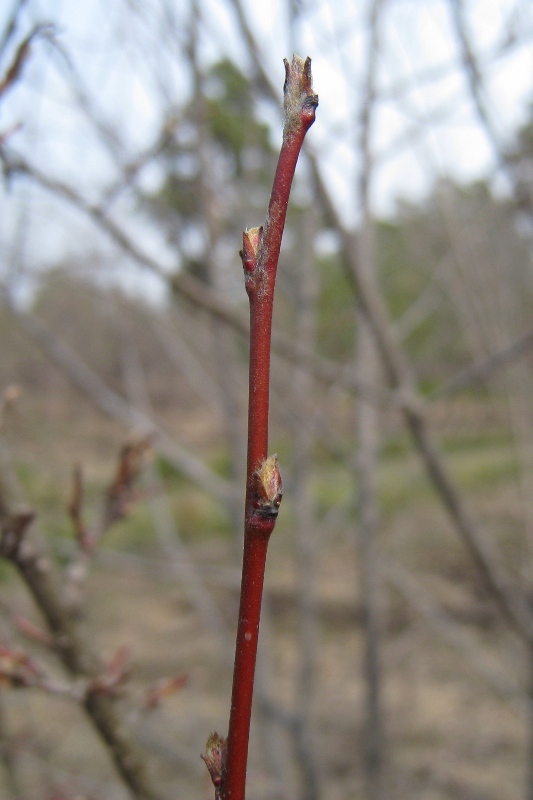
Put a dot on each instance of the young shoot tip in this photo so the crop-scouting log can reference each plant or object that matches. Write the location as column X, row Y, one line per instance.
column 299, row 100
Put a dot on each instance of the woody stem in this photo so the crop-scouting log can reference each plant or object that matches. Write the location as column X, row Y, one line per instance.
column 263, row 487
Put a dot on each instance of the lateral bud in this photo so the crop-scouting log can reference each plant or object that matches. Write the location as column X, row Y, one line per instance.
column 268, row 490
column 251, row 239
column 215, row 759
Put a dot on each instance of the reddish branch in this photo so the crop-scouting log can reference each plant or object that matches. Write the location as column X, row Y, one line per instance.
column 119, row 498
column 260, row 254
column 98, row 684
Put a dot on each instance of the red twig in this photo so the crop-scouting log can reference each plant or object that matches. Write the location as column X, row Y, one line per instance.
column 260, row 253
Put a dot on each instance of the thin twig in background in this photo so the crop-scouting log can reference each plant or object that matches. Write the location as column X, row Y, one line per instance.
column 306, row 556
column 475, row 83
column 117, row 408
column 174, row 549
column 8, row 758
column 14, row 70
column 428, row 607
column 399, row 374
column 368, row 438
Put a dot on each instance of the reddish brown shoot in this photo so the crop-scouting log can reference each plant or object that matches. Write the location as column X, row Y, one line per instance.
column 260, row 254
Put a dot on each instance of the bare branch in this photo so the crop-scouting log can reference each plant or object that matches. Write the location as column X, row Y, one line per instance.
column 15, row 69
column 522, row 194
column 11, row 24
column 39, row 576
column 191, row 289
column 425, row 604
column 482, row 370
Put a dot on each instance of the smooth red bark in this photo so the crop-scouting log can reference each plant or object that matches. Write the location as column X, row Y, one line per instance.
column 263, row 484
